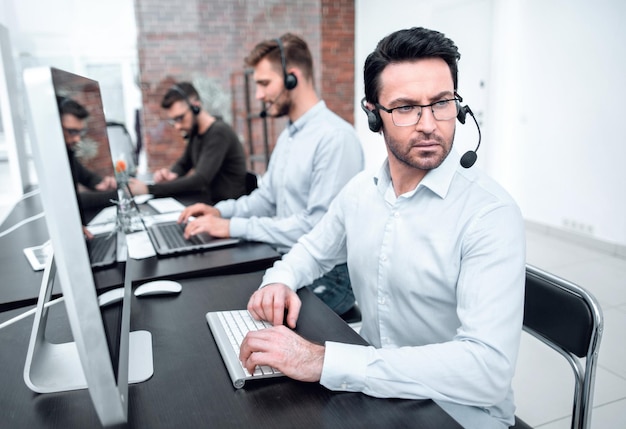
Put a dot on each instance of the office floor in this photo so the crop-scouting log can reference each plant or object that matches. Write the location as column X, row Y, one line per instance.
column 544, row 381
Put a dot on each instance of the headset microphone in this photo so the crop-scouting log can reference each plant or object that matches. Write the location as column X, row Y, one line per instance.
column 263, row 113
column 469, row 158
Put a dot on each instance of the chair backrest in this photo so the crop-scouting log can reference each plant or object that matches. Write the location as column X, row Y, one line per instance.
column 568, row 319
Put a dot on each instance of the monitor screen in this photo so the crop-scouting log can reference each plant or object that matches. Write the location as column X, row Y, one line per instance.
column 85, row 133
column 97, row 359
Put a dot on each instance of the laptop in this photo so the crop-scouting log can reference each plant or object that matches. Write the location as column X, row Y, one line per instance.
column 102, row 249
column 168, row 239
column 167, row 235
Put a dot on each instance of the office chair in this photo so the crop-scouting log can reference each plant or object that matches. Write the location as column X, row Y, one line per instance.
column 569, row 320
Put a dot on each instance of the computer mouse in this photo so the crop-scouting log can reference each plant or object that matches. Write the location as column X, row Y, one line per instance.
column 110, row 297
column 158, row 287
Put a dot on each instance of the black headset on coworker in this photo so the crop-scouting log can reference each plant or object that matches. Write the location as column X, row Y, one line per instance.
column 290, row 80
column 194, row 109
column 468, row 159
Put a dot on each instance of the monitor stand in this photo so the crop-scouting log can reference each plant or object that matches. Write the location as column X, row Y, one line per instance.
column 56, row 367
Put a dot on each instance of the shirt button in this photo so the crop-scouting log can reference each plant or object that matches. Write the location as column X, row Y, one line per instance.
column 383, row 258
column 396, row 214
column 381, row 300
column 344, row 386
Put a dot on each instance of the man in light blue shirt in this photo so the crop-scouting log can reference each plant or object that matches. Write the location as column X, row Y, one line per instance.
column 436, row 255
column 313, row 159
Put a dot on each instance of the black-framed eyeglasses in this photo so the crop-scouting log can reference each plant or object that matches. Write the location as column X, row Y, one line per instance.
column 177, row 119
column 405, row 116
column 74, row 132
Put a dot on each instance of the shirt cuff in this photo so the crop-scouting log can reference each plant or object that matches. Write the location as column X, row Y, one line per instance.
column 238, row 227
column 344, row 367
column 277, row 275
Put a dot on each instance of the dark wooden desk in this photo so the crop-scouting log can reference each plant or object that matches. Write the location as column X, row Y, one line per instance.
column 19, row 281
column 191, row 388
column 20, row 285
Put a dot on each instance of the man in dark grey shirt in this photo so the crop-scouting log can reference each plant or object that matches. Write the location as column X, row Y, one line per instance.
column 213, row 163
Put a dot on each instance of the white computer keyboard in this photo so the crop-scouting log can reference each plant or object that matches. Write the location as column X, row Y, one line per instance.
column 229, row 328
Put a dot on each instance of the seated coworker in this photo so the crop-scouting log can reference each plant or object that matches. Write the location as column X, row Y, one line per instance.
column 314, row 158
column 213, row 164
column 101, row 190
column 436, row 255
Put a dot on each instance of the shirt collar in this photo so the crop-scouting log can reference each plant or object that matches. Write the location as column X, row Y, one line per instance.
column 294, row 127
column 437, row 180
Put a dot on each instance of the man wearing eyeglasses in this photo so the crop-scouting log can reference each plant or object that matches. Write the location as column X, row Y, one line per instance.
column 213, row 164
column 74, row 124
column 436, row 256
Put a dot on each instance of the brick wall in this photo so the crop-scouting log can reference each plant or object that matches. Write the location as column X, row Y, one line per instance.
column 337, row 51
column 206, row 41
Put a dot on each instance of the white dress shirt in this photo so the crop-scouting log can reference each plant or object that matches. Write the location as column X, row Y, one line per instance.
column 439, row 276
column 313, row 159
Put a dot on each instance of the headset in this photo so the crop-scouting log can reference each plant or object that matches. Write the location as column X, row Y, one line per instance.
column 194, row 109
column 290, row 79
column 468, row 159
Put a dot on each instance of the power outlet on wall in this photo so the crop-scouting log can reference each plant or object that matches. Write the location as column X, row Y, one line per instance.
column 580, row 227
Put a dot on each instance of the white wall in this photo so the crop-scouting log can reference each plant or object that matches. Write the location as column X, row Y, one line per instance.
column 552, row 85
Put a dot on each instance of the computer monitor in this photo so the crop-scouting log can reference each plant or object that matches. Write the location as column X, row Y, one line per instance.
column 122, row 147
column 92, row 360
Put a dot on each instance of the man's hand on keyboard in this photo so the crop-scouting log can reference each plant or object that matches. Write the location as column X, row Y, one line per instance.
column 270, row 302
column 284, row 350
column 212, row 225
column 197, row 210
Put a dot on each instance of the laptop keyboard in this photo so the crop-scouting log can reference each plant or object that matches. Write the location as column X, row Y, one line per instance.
column 173, row 235
column 98, row 247
column 229, row 328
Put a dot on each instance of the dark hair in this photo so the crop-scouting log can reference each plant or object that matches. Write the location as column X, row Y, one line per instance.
column 407, row 45
column 295, row 49
column 71, row 107
column 181, row 91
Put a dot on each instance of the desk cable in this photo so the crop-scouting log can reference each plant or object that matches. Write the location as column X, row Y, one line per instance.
column 21, row 223
column 28, row 313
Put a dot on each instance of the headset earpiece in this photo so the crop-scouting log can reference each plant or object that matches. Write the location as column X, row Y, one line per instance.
column 194, row 109
column 463, row 111
column 373, row 117
column 290, row 79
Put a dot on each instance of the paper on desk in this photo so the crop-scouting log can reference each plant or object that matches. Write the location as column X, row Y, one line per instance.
column 159, row 218
column 166, row 205
column 106, row 215
column 101, row 228
column 139, row 245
